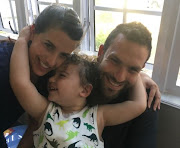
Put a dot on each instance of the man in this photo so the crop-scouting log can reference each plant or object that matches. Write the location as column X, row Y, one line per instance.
column 121, row 58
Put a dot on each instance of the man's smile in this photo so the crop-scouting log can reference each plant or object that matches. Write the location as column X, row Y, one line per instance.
column 114, row 85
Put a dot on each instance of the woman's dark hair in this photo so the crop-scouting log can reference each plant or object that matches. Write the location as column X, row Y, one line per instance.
column 57, row 16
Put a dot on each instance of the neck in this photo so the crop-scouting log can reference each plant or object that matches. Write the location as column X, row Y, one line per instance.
column 72, row 109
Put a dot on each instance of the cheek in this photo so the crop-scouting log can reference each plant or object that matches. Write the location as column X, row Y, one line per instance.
column 32, row 55
column 106, row 66
column 34, row 51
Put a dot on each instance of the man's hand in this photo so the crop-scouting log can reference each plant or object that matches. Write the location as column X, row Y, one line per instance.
column 154, row 91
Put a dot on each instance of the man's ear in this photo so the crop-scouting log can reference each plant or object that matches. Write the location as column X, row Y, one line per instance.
column 100, row 53
column 86, row 90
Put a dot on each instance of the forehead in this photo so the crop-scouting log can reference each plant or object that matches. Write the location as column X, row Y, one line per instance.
column 60, row 40
column 68, row 68
column 128, row 52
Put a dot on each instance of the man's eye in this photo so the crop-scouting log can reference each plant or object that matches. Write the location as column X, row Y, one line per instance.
column 133, row 71
column 48, row 46
column 62, row 75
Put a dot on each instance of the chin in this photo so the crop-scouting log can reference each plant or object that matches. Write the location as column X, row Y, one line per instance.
column 50, row 99
column 40, row 73
column 111, row 94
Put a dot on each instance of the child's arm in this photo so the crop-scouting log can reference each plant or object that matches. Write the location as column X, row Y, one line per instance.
column 26, row 93
column 154, row 93
column 109, row 115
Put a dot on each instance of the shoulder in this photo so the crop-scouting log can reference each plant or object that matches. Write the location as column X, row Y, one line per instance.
column 6, row 48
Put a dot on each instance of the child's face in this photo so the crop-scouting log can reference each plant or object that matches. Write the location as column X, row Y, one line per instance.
column 64, row 87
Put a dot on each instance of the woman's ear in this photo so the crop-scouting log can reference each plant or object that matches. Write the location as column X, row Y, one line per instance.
column 86, row 90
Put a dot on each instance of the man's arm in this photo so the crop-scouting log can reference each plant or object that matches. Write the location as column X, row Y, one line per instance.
column 142, row 133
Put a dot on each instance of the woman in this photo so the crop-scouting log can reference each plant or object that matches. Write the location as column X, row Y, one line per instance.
column 56, row 33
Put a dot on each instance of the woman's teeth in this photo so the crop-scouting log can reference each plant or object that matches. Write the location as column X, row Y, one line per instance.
column 43, row 65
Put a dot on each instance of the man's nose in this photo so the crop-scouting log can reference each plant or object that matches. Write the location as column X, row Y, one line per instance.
column 121, row 74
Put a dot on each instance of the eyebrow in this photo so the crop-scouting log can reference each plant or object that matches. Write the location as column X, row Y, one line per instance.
column 137, row 68
column 115, row 58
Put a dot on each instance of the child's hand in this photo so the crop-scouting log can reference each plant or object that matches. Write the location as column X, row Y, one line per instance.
column 25, row 33
column 154, row 91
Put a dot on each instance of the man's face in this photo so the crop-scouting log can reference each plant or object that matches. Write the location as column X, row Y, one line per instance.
column 120, row 65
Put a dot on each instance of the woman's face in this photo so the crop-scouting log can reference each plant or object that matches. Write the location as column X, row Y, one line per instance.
column 48, row 50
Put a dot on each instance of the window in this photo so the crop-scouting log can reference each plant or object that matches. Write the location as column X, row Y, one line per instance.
column 42, row 4
column 8, row 15
column 17, row 14
column 167, row 61
column 104, row 22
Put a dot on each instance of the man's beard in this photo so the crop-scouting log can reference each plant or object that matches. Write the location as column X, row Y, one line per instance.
column 110, row 94
column 107, row 91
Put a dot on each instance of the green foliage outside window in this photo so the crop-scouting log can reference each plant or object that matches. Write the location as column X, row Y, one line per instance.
column 100, row 39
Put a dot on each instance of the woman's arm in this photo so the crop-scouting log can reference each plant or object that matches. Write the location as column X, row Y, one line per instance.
column 113, row 114
column 26, row 93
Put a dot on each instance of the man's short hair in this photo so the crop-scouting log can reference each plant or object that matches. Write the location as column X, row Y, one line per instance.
column 134, row 31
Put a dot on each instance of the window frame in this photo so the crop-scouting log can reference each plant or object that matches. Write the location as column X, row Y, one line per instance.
column 124, row 11
column 166, row 64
